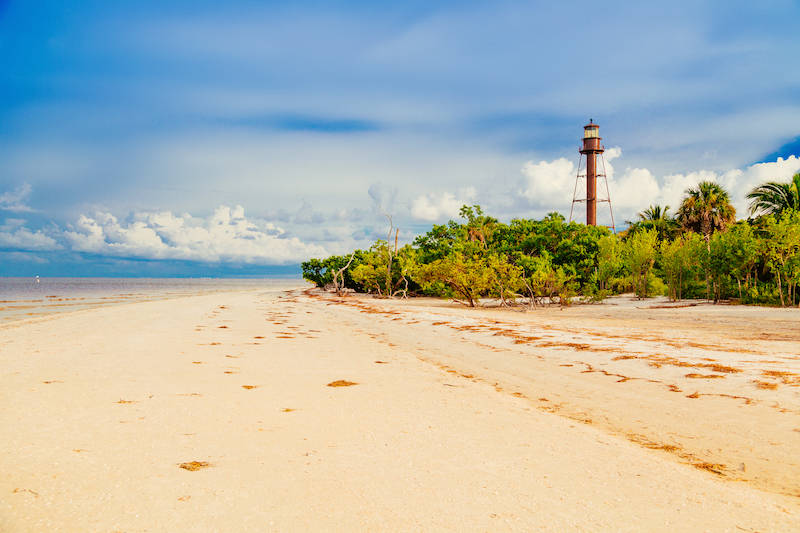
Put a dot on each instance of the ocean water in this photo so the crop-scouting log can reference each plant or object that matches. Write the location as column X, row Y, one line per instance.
column 22, row 298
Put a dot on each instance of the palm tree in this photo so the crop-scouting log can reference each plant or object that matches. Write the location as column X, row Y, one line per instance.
column 479, row 226
column 654, row 212
column 773, row 197
column 655, row 217
column 706, row 208
column 659, row 219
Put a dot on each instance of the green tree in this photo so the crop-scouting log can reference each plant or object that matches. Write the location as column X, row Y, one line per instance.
column 543, row 283
column 610, row 261
column 466, row 274
column 314, row 270
column 571, row 246
column 439, row 241
column 508, row 278
column 772, row 198
column 656, row 218
column 783, row 248
column 793, row 276
column 321, row 272
column 732, row 254
column 640, row 256
column 371, row 272
column 479, row 226
column 705, row 209
column 683, row 259
column 383, row 272
column 673, row 261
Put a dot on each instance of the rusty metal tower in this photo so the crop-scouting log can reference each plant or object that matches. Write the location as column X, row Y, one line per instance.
column 590, row 171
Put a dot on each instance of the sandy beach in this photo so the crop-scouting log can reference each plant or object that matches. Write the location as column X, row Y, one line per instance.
column 215, row 413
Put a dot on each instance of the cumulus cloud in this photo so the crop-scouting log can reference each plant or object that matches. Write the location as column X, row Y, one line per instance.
column 739, row 183
column 632, row 190
column 673, row 188
column 225, row 236
column 16, row 200
column 435, row 206
column 549, row 185
column 15, row 236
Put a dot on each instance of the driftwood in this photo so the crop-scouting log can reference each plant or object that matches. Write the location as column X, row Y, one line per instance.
column 392, row 289
column 340, row 289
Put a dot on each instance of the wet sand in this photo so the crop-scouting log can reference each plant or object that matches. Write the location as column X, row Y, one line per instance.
column 214, row 413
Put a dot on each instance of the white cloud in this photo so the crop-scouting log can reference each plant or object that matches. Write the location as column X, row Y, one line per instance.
column 740, row 183
column 674, row 187
column 435, row 206
column 226, row 236
column 633, row 190
column 16, row 201
column 14, row 235
column 548, row 184
column 737, row 182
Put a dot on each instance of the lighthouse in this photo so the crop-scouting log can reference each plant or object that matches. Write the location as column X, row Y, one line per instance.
column 591, row 149
column 592, row 169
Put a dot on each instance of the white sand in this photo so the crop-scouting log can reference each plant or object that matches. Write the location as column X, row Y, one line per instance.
column 471, row 424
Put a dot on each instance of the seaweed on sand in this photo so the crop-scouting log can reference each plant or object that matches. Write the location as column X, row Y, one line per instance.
column 765, row 385
column 194, row 465
column 341, row 383
column 711, row 467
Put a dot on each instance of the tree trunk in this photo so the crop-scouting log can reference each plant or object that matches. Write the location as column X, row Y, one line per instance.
column 532, row 302
column 463, row 290
column 340, row 272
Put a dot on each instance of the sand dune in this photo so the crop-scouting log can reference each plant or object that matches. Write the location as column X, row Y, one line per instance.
column 217, row 413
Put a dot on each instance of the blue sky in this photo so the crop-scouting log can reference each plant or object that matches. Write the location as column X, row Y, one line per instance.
column 242, row 137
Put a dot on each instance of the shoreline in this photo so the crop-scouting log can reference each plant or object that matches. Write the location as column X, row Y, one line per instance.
column 458, row 419
column 25, row 298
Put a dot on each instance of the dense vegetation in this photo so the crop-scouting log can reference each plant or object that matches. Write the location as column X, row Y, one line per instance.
column 701, row 252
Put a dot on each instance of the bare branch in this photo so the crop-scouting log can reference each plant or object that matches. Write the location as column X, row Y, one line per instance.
column 340, row 290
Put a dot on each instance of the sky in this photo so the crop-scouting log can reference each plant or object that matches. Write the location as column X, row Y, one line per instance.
column 240, row 138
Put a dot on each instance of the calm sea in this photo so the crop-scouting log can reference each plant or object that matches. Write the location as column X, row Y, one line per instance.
column 31, row 297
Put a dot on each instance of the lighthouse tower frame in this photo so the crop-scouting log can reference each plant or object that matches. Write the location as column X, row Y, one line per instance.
column 591, row 169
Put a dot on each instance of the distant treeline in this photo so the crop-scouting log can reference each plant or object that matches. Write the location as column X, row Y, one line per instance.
column 701, row 252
